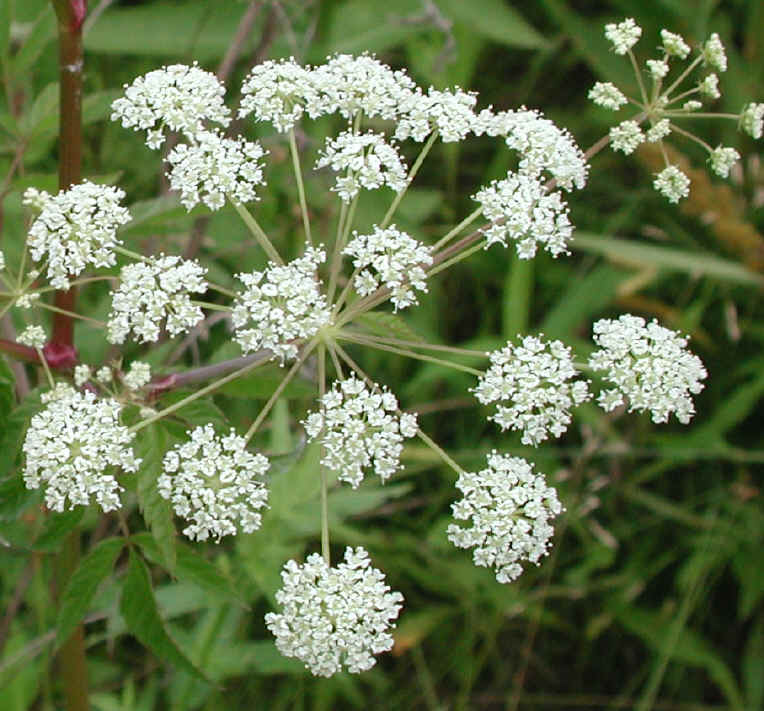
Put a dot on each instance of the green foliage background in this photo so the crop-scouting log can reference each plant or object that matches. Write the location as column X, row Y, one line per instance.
column 652, row 595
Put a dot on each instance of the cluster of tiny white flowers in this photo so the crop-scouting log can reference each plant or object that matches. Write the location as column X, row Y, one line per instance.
column 214, row 168
column 369, row 161
column 752, row 119
column 152, row 291
column 536, row 380
column 626, row 136
column 648, row 364
column 334, row 618
column 82, row 374
column 349, row 85
column 451, row 113
column 658, row 68
column 607, row 95
column 360, row 429
column 70, row 445
column 390, row 258
column 520, row 208
column 215, row 483
column 709, row 86
column 32, row 336
column 714, row 54
column 623, row 35
column 658, row 131
column 280, row 305
column 279, row 92
column 674, row 45
column 541, row 145
column 672, row 183
column 2, row 261
column 510, row 508
column 177, row 97
column 722, row 159
column 104, row 375
column 138, row 375
column 75, row 227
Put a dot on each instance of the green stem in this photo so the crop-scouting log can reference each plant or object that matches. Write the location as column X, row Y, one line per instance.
column 280, row 389
column 412, row 174
column 682, row 76
column 199, row 393
column 692, row 137
column 211, row 306
column 345, row 292
column 457, row 258
column 46, row 368
column 324, row 473
column 426, row 346
column 640, row 81
column 339, row 245
column 130, row 254
column 694, row 114
column 409, row 354
column 456, row 230
column 258, row 233
column 335, row 361
column 71, row 314
column 439, row 451
column 300, row 186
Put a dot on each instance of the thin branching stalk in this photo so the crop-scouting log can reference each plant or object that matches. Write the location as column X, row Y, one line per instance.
column 300, row 187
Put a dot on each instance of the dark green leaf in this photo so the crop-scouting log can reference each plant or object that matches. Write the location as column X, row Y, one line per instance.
column 81, row 588
column 150, row 446
column 141, row 614
column 57, row 527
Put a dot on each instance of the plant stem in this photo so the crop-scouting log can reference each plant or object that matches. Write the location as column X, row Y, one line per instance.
column 456, row 230
column 456, row 258
column 45, row 367
column 300, row 186
column 71, row 314
column 439, row 451
column 199, row 393
column 280, row 389
column 339, row 245
column 324, row 474
column 412, row 174
column 426, row 346
column 258, row 233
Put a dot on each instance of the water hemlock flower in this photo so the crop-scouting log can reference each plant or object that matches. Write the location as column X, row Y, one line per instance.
column 215, row 483
column 722, row 159
column 138, row 375
column 658, row 68
column 674, row 45
column 72, row 446
column 390, row 258
column 75, row 228
column 626, row 136
column 520, row 208
column 752, row 119
column 450, row 112
column 334, row 618
column 360, row 429
column 509, row 508
column 533, row 384
column 649, row 365
column 367, row 161
column 709, row 86
column 213, row 168
column 607, row 95
column 659, row 131
column 623, row 35
column 153, row 292
column 82, row 373
column 672, row 183
column 280, row 305
column 178, row 97
column 714, row 54
column 33, row 336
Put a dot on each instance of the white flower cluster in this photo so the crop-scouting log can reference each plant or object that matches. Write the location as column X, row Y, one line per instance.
column 752, row 120
column 369, row 161
column 520, row 208
column 509, row 508
column 607, row 95
column 714, row 54
column 70, row 445
column 451, row 113
column 82, row 373
column 215, row 483
column 213, row 168
column 722, row 159
column 177, row 97
column 658, row 131
column 709, row 86
column 623, row 35
column 626, row 136
column 75, row 228
column 334, row 618
column 138, row 375
column 360, row 429
column 674, row 45
column 390, row 258
column 672, row 183
column 648, row 364
column 536, row 379
column 152, row 291
column 658, row 68
column 279, row 92
column 541, row 145
column 33, row 336
column 280, row 305
column 2, row 261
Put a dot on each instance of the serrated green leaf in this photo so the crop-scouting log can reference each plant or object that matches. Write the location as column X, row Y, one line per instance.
column 81, row 587
column 192, row 567
column 386, row 324
column 150, row 446
column 57, row 527
column 141, row 614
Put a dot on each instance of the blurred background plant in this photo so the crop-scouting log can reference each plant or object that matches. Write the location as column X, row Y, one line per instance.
column 651, row 597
